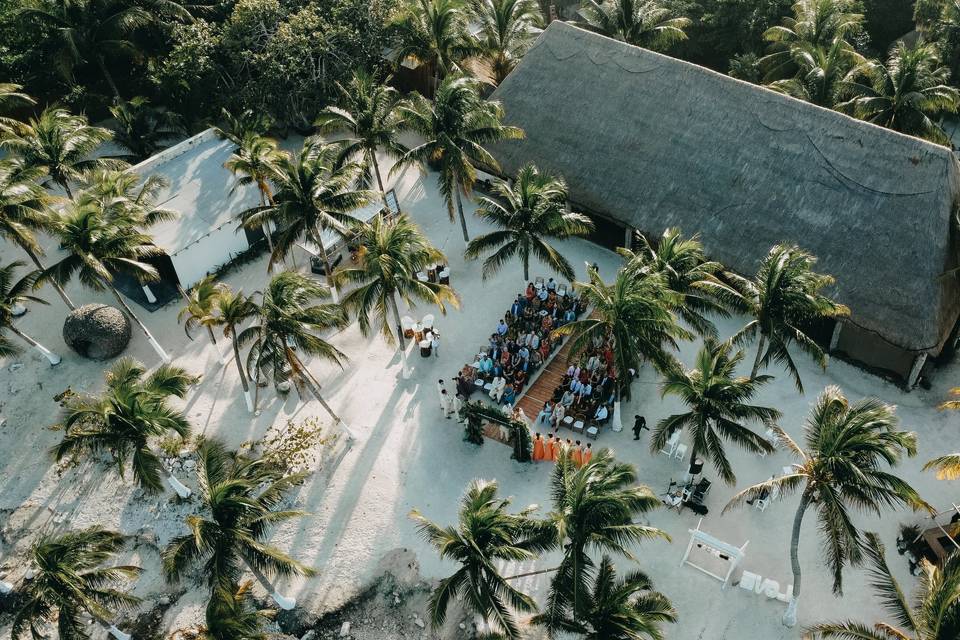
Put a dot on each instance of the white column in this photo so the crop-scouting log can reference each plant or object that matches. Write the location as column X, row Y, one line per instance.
column 160, row 352
column 51, row 357
column 615, row 422
column 918, row 363
column 152, row 299
column 182, row 490
column 249, row 398
column 119, row 635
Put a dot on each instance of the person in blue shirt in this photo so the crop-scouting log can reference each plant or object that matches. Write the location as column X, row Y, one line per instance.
column 486, row 365
column 509, row 394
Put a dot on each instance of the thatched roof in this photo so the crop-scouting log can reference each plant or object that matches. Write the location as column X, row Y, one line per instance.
column 658, row 142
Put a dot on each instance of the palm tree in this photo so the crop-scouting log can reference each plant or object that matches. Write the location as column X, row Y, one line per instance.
column 906, row 95
column 370, row 113
column 636, row 314
column 594, row 507
column 435, row 33
column 486, row 533
column 248, row 123
column 126, row 198
column 234, row 309
column 455, row 127
column 644, row 23
column 947, row 466
column 241, row 501
column 507, row 29
column 933, row 614
column 816, row 24
column 286, row 325
column 822, row 73
column 848, row 446
column 60, row 144
column 718, row 407
column 392, row 252
column 91, row 31
column 99, row 247
column 24, row 210
column 619, row 609
column 13, row 297
column 232, row 615
column 200, row 309
column 688, row 273
column 314, row 197
column 70, row 581
column 132, row 409
column 783, row 298
column 143, row 129
column 527, row 213
column 255, row 160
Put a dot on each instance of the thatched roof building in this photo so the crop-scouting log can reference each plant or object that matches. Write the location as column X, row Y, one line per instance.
column 655, row 142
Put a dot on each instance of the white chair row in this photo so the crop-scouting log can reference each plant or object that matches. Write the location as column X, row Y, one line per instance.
column 765, row 586
column 674, row 448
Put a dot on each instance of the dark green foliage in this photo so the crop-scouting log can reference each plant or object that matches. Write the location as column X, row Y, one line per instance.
column 887, row 20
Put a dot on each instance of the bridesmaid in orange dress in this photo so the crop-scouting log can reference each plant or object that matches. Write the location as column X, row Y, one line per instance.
column 587, row 453
column 550, row 450
column 576, row 455
column 537, row 448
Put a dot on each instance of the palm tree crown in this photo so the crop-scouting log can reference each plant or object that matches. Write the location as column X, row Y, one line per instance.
column 142, row 129
column 688, row 273
column 594, row 509
column 933, row 614
column 455, row 127
column 232, row 614
column 507, row 29
column 392, row 252
column 241, row 503
column 13, row 294
column 627, row 608
column 635, row 313
column 645, row 23
column 370, row 113
column 527, row 212
column 842, row 466
column 60, row 144
column 907, row 94
column 133, row 409
column 718, row 403
column 486, row 533
column 434, row 32
column 783, row 298
column 255, row 161
column 71, row 580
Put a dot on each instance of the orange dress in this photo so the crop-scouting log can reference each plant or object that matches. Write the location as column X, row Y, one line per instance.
column 587, row 454
column 550, row 450
column 576, row 456
column 538, row 449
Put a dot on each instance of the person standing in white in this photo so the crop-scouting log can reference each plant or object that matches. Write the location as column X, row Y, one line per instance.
column 456, row 404
column 435, row 344
column 445, row 404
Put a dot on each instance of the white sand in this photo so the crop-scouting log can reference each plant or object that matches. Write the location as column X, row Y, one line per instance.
column 406, row 455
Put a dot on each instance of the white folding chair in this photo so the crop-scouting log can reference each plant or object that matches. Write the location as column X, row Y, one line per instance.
column 592, row 432
column 749, row 582
column 760, row 504
column 680, row 452
column 671, row 444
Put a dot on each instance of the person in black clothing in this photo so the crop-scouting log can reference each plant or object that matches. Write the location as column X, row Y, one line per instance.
column 639, row 424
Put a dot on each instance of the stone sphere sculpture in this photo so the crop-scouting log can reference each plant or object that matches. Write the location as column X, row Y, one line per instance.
column 97, row 331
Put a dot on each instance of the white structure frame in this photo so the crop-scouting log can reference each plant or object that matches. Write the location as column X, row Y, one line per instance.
column 715, row 546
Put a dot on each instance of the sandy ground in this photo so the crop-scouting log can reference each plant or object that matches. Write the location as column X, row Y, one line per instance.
column 405, row 455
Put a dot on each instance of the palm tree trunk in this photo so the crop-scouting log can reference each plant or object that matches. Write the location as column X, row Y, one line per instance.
column 109, row 78
column 66, row 187
column 153, row 342
column 243, row 374
column 182, row 490
column 463, row 220
column 329, row 271
column 756, row 362
column 790, row 616
column 401, row 341
column 51, row 357
column 56, row 285
column 526, row 266
column 264, row 199
column 110, row 628
column 376, row 170
column 284, row 602
column 314, row 387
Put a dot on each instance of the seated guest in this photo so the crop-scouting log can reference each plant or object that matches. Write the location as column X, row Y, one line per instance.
column 567, row 398
column 497, row 369
column 524, row 353
column 531, row 292
column 593, row 362
column 505, row 357
column 569, row 316
column 586, row 390
column 601, row 415
column 551, row 285
column 508, row 373
column 542, row 294
column 517, row 307
column 468, row 373
column 559, row 412
column 544, row 416
column 535, row 360
column 486, row 366
column 534, row 342
column 546, row 324
column 573, row 371
column 464, row 386
column 545, row 347
column 496, row 390
column 509, row 395
column 576, row 386
column 502, row 327
column 519, row 378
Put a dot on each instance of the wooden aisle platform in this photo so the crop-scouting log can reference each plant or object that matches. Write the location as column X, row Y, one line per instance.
column 542, row 388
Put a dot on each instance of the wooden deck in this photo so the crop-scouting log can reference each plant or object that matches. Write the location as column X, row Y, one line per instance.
column 542, row 388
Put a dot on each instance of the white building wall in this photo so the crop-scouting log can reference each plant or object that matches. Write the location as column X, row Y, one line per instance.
column 206, row 254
